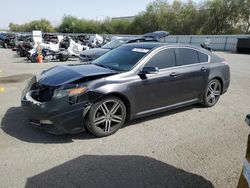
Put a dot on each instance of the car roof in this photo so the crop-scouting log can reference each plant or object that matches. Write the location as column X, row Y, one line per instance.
column 147, row 45
column 153, row 45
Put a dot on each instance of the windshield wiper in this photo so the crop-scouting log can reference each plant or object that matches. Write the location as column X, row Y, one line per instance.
column 104, row 66
column 107, row 67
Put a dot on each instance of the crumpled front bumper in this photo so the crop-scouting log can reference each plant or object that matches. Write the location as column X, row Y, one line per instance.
column 59, row 115
column 65, row 118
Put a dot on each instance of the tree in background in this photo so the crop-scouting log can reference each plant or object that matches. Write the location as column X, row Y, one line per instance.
column 71, row 24
column 43, row 25
column 183, row 18
column 244, row 16
column 220, row 16
column 209, row 17
column 115, row 26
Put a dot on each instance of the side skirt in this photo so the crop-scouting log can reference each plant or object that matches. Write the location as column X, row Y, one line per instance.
column 165, row 108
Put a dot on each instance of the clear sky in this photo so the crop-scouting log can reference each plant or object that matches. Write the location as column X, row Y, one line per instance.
column 21, row 11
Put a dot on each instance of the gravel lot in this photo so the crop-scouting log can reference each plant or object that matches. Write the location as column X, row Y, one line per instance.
column 189, row 147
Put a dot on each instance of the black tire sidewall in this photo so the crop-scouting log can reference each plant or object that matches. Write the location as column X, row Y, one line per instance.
column 33, row 58
column 90, row 117
column 63, row 58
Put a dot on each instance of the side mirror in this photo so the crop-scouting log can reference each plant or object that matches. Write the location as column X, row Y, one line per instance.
column 149, row 70
column 248, row 119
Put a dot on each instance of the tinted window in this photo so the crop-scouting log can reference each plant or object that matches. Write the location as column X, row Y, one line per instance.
column 202, row 57
column 186, row 56
column 122, row 58
column 163, row 59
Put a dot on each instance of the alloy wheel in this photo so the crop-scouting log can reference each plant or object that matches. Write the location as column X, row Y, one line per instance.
column 213, row 92
column 109, row 115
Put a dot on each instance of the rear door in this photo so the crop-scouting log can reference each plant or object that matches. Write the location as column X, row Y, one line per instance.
column 194, row 70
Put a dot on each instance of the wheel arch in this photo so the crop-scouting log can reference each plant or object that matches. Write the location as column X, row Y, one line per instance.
column 124, row 99
column 220, row 80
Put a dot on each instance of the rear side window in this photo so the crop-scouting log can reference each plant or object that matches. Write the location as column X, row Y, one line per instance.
column 202, row 57
column 163, row 59
column 186, row 56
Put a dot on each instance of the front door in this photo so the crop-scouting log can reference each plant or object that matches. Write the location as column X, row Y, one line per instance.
column 161, row 89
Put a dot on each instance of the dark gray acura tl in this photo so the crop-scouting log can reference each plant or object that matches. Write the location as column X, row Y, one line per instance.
column 128, row 82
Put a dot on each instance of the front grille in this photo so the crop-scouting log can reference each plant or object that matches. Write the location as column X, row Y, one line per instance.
column 42, row 93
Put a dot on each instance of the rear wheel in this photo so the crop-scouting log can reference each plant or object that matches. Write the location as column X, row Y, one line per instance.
column 212, row 93
column 33, row 58
column 106, row 116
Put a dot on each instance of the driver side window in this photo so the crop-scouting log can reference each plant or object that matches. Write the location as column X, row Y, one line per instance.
column 163, row 59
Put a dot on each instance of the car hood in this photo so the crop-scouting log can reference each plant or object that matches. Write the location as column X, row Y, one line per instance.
column 97, row 52
column 65, row 74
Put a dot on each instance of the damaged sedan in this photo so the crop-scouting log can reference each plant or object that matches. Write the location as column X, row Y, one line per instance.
column 129, row 82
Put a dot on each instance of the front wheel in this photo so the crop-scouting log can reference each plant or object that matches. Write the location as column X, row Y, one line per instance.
column 212, row 93
column 106, row 116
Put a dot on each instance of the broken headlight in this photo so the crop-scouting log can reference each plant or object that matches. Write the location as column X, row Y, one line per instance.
column 71, row 92
column 29, row 85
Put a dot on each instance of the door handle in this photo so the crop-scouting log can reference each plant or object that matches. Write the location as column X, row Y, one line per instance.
column 203, row 69
column 174, row 74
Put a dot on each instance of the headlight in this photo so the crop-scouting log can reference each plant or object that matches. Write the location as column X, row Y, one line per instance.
column 76, row 91
column 59, row 93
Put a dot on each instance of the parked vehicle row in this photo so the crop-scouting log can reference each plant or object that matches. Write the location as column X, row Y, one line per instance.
column 65, row 49
column 53, row 47
column 92, row 54
column 7, row 40
column 82, row 46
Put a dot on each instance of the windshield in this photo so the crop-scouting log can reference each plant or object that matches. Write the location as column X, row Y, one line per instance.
column 114, row 44
column 121, row 59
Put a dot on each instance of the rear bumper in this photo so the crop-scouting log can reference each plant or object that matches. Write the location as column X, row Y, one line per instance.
column 64, row 117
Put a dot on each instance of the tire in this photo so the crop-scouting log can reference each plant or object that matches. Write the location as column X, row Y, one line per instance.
column 212, row 93
column 33, row 58
column 21, row 53
column 63, row 58
column 101, row 121
column 27, row 54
